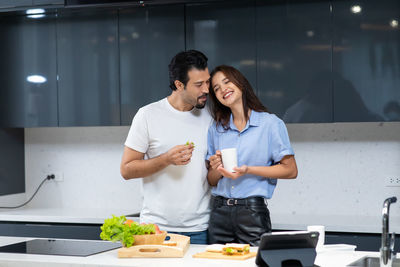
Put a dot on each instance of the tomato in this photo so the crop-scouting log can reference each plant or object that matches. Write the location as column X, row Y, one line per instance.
column 128, row 222
column 157, row 229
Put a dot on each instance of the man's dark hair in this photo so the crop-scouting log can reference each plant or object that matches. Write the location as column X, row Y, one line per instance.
column 182, row 63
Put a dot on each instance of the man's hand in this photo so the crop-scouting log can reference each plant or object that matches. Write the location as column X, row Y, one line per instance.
column 180, row 154
column 239, row 171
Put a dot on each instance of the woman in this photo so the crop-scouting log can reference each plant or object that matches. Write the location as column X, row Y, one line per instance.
column 239, row 210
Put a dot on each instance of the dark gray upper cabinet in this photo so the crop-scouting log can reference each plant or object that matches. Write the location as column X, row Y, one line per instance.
column 225, row 33
column 366, row 62
column 308, row 61
column 149, row 38
column 15, row 3
column 10, row 4
column 294, row 59
column 48, row 2
column 87, row 55
column 28, row 95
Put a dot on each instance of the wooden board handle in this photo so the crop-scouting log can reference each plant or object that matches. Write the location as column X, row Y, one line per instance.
column 158, row 251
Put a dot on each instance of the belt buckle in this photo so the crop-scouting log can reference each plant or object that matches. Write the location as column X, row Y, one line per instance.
column 231, row 202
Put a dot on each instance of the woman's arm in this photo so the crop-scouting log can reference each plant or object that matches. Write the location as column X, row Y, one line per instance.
column 286, row 169
column 213, row 177
column 214, row 163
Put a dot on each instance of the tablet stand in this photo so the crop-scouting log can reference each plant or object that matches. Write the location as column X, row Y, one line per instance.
column 294, row 257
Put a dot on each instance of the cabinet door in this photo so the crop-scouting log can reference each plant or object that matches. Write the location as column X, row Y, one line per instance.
column 225, row 33
column 87, row 56
column 12, row 161
column 51, row 230
column 48, row 2
column 14, row 3
column 366, row 60
column 28, row 95
column 149, row 38
column 294, row 60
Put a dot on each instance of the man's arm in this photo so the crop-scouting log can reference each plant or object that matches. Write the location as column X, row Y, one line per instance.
column 133, row 164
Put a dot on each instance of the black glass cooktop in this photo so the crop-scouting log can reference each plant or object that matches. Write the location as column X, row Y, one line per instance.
column 80, row 248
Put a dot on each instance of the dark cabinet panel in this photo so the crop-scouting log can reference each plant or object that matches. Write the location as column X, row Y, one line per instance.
column 48, row 2
column 225, row 33
column 309, row 61
column 12, row 161
column 366, row 63
column 51, row 230
column 14, row 3
column 28, row 95
column 87, row 55
column 294, row 59
column 149, row 38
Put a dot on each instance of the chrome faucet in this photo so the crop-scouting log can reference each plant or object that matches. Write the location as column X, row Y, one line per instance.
column 387, row 247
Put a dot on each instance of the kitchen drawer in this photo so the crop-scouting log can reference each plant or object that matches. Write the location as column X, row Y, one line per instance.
column 53, row 230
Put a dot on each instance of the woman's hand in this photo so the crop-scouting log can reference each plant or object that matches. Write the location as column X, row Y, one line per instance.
column 239, row 171
column 216, row 160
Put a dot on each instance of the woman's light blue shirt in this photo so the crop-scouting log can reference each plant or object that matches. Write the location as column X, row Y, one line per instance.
column 263, row 142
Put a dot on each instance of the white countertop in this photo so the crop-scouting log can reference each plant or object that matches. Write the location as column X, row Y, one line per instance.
column 279, row 221
column 326, row 258
column 49, row 215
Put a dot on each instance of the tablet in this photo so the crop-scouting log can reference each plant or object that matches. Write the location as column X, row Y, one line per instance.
column 286, row 240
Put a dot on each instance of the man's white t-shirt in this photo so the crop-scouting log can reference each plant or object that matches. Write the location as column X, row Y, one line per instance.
column 177, row 197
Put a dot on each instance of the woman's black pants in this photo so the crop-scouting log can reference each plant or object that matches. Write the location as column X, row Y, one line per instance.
column 236, row 220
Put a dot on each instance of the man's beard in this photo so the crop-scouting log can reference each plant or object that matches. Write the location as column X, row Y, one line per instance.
column 201, row 105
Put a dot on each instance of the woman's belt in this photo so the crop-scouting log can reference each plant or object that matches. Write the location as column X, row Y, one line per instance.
column 249, row 201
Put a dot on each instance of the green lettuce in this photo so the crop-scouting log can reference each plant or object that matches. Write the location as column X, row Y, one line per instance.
column 115, row 229
column 229, row 250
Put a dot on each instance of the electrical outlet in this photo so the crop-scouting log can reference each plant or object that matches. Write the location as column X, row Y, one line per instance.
column 59, row 177
column 392, row 181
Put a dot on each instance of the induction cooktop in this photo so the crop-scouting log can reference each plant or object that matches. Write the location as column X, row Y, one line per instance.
column 60, row 247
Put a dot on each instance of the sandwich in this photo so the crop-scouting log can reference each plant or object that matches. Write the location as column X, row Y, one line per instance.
column 236, row 249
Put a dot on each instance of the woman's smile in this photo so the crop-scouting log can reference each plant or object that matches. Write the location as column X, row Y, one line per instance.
column 225, row 91
column 227, row 94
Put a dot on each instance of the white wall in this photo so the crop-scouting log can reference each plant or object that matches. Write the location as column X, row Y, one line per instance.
column 89, row 158
column 342, row 167
column 342, row 172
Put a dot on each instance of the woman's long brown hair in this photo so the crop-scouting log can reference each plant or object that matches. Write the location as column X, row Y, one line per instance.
column 221, row 113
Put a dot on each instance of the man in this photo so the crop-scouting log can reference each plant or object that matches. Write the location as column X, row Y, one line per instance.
column 167, row 145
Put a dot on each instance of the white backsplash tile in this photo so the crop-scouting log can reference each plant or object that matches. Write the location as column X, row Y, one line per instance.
column 342, row 167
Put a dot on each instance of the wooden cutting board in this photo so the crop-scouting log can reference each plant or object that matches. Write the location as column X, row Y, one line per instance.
column 158, row 251
column 219, row 255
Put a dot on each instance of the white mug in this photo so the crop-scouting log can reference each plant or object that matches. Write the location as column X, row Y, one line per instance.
column 229, row 158
column 321, row 230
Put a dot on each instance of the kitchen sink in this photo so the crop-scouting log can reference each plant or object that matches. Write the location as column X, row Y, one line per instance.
column 372, row 262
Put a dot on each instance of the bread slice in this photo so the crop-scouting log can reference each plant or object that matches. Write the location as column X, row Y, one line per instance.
column 236, row 249
column 217, row 248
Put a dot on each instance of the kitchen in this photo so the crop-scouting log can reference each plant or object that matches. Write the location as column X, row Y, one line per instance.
column 344, row 162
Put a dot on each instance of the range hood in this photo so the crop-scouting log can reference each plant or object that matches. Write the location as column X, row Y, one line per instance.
column 116, row 3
